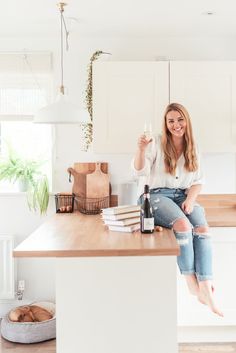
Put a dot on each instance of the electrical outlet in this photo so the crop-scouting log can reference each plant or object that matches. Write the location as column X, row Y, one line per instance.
column 21, row 284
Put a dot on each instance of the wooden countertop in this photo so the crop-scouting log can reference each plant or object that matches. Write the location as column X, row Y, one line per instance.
column 220, row 209
column 221, row 217
column 78, row 235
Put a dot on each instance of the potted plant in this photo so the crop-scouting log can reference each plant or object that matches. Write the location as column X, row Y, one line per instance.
column 27, row 173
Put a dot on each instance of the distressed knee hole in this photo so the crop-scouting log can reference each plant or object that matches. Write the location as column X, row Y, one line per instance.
column 201, row 232
column 181, row 225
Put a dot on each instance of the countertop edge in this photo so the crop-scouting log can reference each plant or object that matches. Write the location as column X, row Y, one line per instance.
column 96, row 253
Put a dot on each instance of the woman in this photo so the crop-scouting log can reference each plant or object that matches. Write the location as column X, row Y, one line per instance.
column 171, row 166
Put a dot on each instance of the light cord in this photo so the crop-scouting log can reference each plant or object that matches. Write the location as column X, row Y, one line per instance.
column 62, row 57
column 63, row 25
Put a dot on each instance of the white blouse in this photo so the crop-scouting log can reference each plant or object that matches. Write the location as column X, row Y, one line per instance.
column 154, row 173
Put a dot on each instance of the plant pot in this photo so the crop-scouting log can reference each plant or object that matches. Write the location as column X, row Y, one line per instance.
column 22, row 185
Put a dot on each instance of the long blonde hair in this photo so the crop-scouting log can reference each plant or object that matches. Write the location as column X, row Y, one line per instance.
column 189, row 150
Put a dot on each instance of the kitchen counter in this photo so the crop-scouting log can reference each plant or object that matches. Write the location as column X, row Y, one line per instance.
column 75, row 234
column 221, row 217
column 115, row 292
column 220, row 209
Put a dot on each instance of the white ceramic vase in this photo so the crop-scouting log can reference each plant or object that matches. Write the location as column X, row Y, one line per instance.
column 22, row 185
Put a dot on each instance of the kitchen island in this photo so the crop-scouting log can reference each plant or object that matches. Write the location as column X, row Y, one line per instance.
column 115, row 292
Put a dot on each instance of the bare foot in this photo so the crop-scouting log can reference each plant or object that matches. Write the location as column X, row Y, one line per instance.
column 192, row 284
column 205, row 296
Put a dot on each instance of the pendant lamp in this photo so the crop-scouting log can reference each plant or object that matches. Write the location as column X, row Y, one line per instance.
column 61, row 111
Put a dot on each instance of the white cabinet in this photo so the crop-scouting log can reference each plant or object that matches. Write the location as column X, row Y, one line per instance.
column 208, row 91
column 125, row 96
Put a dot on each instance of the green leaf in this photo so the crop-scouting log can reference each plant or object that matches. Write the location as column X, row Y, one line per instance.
column 14, row 168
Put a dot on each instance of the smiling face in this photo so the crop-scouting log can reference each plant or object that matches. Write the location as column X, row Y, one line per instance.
column 175, row 123
column 177, row 138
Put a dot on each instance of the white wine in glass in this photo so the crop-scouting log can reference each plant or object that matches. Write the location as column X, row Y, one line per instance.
column 148, row 131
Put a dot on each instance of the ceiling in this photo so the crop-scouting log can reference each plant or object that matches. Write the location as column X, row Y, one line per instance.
column 123, row 18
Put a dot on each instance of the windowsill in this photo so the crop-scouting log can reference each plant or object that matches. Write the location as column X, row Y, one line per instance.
column 16, row 193
column 12, row 193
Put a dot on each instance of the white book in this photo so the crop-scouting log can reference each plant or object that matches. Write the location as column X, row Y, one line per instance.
column 121, row 209
column 114, row 217
column 128, row 229
column 125, row 222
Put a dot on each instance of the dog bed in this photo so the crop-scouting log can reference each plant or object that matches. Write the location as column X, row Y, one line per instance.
column 30, row 332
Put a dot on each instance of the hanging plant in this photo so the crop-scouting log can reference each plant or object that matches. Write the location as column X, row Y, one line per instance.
column 87, row 128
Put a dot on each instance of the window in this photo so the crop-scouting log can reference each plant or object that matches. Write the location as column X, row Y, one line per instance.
column 25, row 87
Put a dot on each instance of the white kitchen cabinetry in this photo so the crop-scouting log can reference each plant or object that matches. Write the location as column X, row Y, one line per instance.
column 208, row 91
column 125, row 96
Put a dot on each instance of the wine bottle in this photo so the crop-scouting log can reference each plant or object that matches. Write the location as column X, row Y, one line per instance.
column 146, row 215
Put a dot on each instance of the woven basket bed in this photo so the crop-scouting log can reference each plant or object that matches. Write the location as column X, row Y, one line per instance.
column 30, row 332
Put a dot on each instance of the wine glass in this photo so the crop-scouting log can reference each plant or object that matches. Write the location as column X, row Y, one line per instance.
column 148, row 131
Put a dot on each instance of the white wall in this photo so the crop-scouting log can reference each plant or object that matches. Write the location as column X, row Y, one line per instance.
column 17, row 220
column 14, row 216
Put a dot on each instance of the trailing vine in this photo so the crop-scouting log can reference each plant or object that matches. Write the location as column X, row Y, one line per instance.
column 87, row 128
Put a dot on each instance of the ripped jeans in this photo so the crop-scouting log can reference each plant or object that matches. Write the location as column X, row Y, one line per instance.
column 195, row 248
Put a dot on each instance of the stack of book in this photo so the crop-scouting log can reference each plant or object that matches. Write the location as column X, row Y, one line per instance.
column 122, row 218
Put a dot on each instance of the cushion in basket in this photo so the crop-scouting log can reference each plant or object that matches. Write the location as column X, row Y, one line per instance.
column 30, row 332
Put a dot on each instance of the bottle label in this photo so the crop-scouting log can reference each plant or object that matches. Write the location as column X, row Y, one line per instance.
column 148, row 223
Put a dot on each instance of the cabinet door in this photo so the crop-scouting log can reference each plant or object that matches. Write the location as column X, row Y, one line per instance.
column 208, row 91
column 125, row 96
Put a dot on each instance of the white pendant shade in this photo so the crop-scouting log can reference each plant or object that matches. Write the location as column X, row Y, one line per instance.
column 61, row 112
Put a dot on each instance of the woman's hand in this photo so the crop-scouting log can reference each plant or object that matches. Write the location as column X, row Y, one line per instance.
column 143, row 143
column 187, row 206
column 139, row 160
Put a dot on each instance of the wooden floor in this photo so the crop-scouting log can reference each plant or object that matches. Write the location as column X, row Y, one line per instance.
column 50, row 347
column 43, row 347
column 208, row 348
